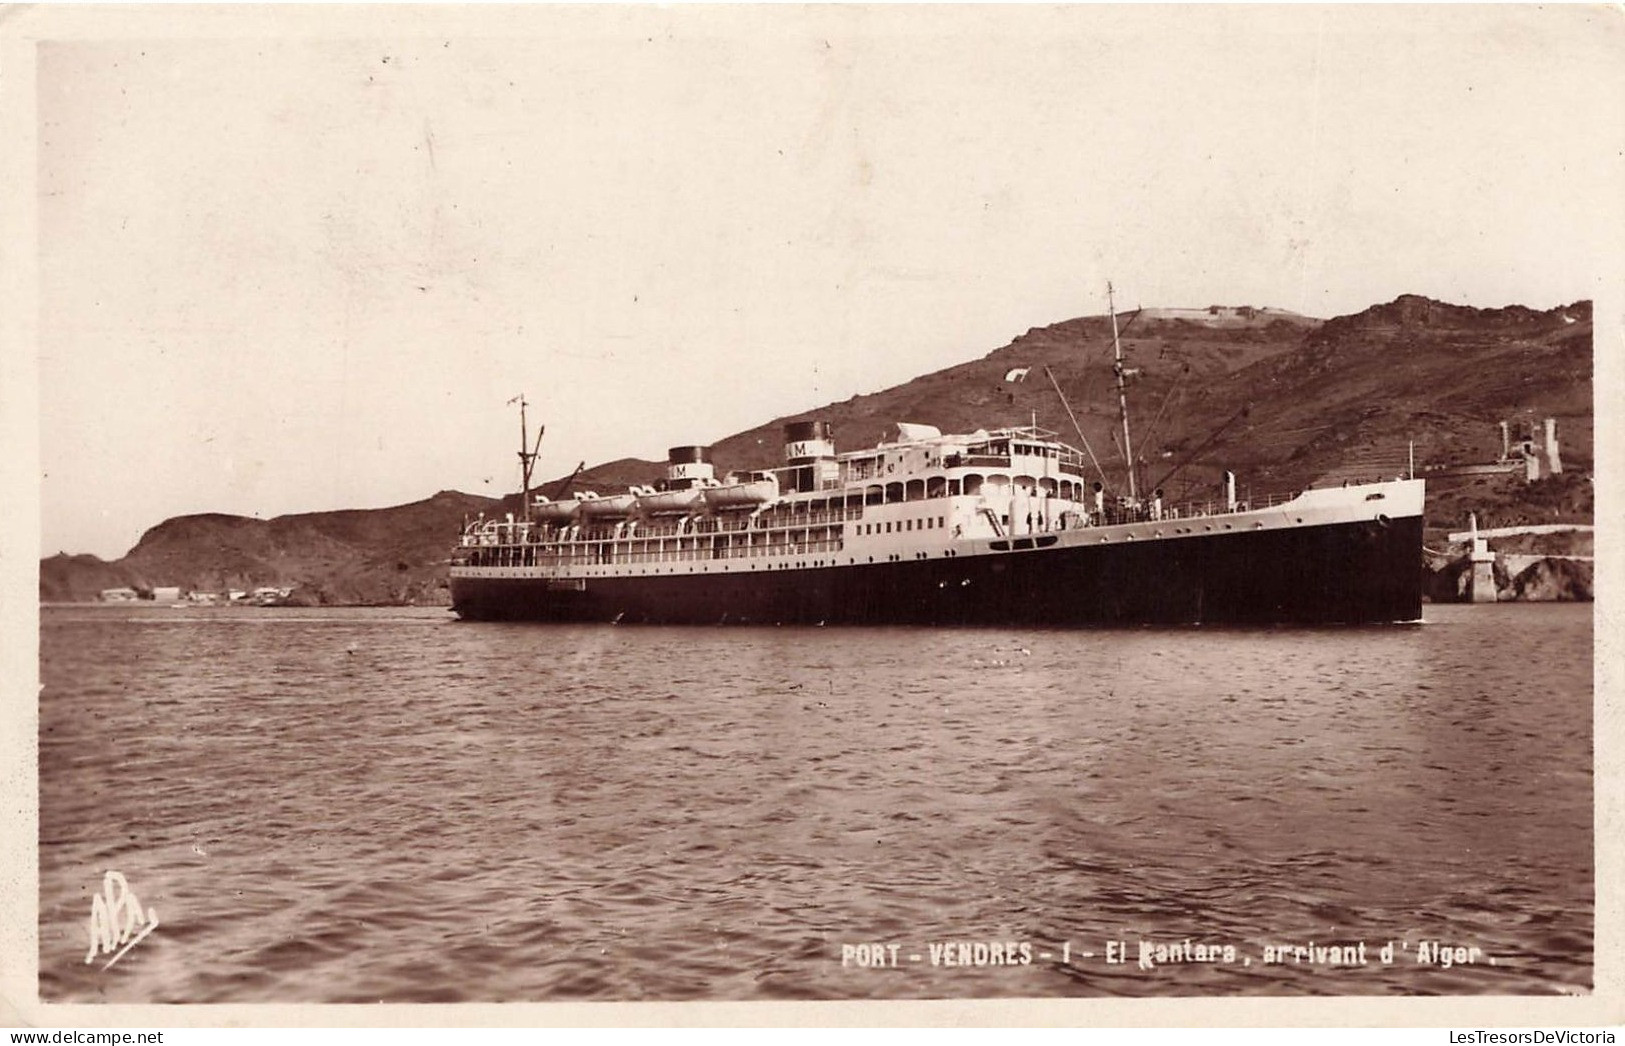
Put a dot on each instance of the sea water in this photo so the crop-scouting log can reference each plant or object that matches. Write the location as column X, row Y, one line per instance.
column 388, row 804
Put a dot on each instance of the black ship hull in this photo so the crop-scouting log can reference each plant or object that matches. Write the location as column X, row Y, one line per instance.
column 1362, row 571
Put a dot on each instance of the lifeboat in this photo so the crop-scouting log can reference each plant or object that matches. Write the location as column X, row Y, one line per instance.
column 545, row 511
column 611, row 507
column 671, row 502
column 749, row 494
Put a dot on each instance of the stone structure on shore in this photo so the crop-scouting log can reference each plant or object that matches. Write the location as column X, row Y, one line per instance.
column 1478, row 573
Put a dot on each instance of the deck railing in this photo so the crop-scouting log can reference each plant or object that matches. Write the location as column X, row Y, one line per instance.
column 603, row 555
column 522, row 544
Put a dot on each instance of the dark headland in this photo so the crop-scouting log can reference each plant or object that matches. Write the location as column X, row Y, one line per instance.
column 1284, row 400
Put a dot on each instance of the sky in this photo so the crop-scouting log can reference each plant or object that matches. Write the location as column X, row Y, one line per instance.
column 300, row 260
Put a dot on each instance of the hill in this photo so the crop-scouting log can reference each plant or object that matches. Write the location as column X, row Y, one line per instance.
column 358, row 556
column 1173, row 350
column 1362, row 387
column 1283, row 400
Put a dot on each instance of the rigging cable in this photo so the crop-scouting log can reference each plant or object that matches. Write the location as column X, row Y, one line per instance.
column 1075, row 426
column 1177, row 386
column 1205, row 444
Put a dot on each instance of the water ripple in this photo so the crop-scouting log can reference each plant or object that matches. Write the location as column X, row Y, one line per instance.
column 354, row 806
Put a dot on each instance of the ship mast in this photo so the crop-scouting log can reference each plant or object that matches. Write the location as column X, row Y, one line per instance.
column 527, row 455
column 1122, row 385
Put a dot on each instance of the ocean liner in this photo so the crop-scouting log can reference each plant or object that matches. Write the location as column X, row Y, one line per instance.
column 1002, row 527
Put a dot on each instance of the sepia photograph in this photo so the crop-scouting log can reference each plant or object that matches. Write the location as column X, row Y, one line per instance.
column 860, row 505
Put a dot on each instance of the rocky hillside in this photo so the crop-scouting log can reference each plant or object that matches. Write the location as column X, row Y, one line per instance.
column 1283, row 400
column 1362, row 387
column 389, row 555
column 1177, row 353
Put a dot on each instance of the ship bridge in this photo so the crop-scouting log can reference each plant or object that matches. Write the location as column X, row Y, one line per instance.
column 923, row 463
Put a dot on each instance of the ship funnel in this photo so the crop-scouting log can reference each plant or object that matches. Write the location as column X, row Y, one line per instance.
column 809, row 450
column 689, row 467
column 805, row 440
